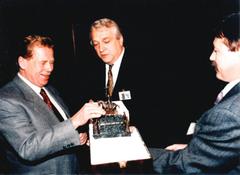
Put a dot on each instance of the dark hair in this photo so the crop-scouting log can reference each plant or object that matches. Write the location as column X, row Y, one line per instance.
column 28, row 43
column 229, row 29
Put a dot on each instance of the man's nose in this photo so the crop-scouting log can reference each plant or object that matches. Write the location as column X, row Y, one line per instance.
column 212, row 56
column 49, row 67
column 101, row 47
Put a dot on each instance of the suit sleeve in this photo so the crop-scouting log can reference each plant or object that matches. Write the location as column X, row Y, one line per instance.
column 213, row 148
column 29, row 142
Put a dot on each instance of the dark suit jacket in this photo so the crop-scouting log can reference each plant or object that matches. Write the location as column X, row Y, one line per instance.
column 129, row 78
column 215, row 146
column 33, row 139
column 135, row 75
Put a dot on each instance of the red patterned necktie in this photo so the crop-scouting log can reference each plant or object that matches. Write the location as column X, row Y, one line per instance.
column 50, row 105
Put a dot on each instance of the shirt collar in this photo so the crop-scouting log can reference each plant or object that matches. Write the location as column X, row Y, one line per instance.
column 117, row 63
column 115, row 68
column 34, row 87
column 229, row 86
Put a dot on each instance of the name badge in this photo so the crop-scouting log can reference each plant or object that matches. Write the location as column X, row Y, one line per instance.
column 124, row 95
column 191, row 128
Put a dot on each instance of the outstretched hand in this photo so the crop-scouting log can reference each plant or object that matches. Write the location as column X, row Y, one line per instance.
column 88, row 111
column 176, row 147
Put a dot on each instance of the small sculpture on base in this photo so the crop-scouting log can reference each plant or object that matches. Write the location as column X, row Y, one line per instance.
column 112, row 124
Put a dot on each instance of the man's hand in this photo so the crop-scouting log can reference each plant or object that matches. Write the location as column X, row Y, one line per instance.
column 88, row 111
column 83, row 138
column 176, row 147
column 122, row 164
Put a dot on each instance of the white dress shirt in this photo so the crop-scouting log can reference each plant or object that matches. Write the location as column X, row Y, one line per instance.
column 225, row 90
column 115, row 69
column 38, row 89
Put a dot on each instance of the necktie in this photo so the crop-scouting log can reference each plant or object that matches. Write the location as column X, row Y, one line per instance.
column 110, row 81
column 50, row 105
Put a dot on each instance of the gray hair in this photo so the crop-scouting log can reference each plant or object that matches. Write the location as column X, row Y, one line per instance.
column 105, row 22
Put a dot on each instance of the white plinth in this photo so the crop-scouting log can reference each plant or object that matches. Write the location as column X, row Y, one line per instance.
column 117, row 149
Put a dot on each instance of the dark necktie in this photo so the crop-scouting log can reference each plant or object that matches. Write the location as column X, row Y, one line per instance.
column 50, row 105
column 110, row 81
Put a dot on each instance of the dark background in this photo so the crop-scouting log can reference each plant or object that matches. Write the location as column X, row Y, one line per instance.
column 174, row 36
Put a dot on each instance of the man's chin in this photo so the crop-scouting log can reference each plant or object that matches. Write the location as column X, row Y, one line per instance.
column 44, row 82
column 106, row 59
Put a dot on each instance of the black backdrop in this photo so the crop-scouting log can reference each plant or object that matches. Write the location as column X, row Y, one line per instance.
column 174, row 34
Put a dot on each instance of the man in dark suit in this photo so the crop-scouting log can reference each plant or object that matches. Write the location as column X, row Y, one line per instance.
column 108, row 42
column 33, row 139
column 215, row 145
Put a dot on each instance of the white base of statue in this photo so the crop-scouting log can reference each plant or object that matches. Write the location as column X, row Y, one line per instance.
column 117, row 149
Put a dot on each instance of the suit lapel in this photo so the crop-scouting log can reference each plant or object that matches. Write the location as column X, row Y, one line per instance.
column 233, row 91
column 124, row 76
column 35, row 102
column 59, row 101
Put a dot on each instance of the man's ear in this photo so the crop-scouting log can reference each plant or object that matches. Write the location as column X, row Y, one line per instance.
column 22, row 62
column 121, row 40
